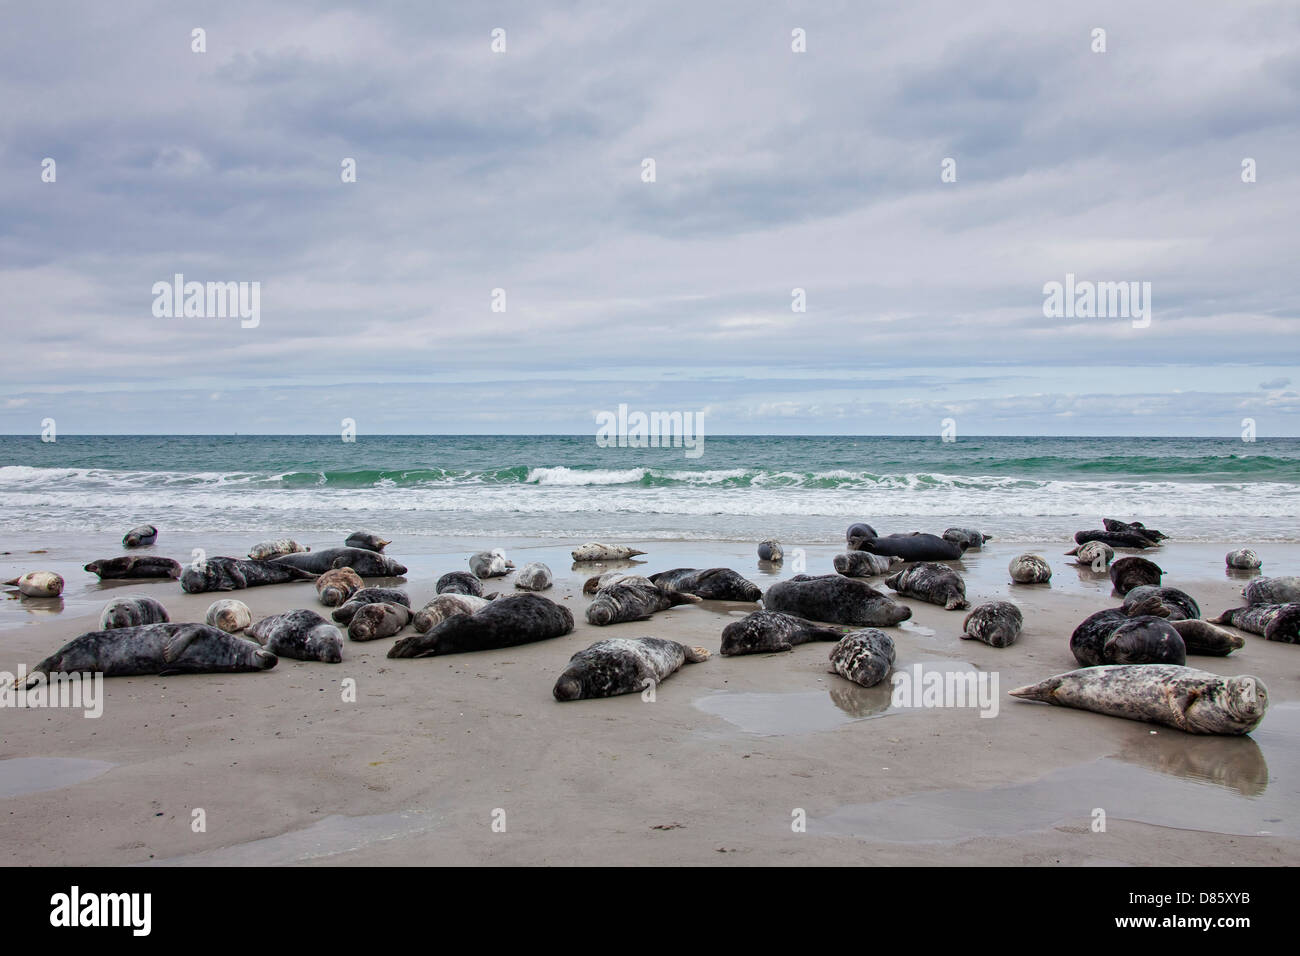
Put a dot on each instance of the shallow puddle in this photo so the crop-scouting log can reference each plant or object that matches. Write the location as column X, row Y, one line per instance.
column 23, row 775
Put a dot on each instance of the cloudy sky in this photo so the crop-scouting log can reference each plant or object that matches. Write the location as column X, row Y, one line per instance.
column 774, row 170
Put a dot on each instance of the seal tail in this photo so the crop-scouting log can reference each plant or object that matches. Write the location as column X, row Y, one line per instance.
column 11, row 581
column 1225, row 617
column 1044, row 691
column 1074, row 550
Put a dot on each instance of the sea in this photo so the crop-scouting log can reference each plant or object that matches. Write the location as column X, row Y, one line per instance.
column 799, row 489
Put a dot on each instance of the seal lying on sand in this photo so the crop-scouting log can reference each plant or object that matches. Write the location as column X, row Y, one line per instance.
column 935, row 583
column 1088, row 641
column 160, row 649
column 533, row 576
column 863, row 657
column 835, row 598
column 266, row 550
column 1275, row 622
column 41, row 584
column 300, row 635
column 1030, row 569
column 1133, row 527
column 459, row 582
column 444, row 606
column 912, row 547
column 996, row 623
column 711, row 584
column 139, row 537
column 1096, row 554
column 595, row 551
column 623, row 666
column 368, row 564
column 1243, row 559
column 375, row 621
column 1116, row 539
column 335, row 587
column 490, row 564
column 1182, row 606
column 506, row 622
column 974, row 539
column 769, row 632
column 1146, row 639
column 345, row 612
column 1202, row 637
column 1279, row 590
column 235, row 574
column 366, row 540
column 628, row 601
column 1192, row 700
column 594, row 584
column 228, row 615
column 864, row 564
column 134, row 566
column 132, row 612
column 1129, row 573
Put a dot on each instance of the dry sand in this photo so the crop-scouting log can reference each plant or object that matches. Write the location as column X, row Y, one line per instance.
column 434, row 751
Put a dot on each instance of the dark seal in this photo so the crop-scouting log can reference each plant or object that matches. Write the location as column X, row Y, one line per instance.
column 506, row 622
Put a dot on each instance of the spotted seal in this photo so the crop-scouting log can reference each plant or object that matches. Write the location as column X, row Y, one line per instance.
column 1182, row 606
column 863, row 656
column 299, row 635
column 444, row 606
column 534, row 576
column 623, row 665
column 711, row 584
column 835, row 599
column 1278, row 590
column 139, row 537
column 235, row 574
column 595, row 583
column 770, row 632
column 134, row 566
column 1096, row 554
column 595, row 551
column 915, row 546
column 506, row 622
column 344, row 613
column 335, row 587
column 1273, row 622
column 770, row 550
column 1191, row 700
column 266, row 550
column 459, row 582
column 368, row 564
column 1128, row 573
column 1285, row 626
column 864, row 564
column 1029, row 569
column 490, row 564
column 229, row 615
column 934, row 583
column 132, row 611
column 627, row 601
column 367, row 541
column 996, row 623
column 1243, row 559
column 1204, row 638
column 161, row 649
column 374, row 621
column 38, row 584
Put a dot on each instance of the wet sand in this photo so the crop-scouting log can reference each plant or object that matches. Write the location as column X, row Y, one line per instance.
column 714, row 770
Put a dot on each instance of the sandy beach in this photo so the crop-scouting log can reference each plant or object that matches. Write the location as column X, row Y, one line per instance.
column 714, row 770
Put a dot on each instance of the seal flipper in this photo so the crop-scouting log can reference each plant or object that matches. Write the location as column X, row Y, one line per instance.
column 176, row 645
column 1044, row 691
column 696, row 655
column 679, row 597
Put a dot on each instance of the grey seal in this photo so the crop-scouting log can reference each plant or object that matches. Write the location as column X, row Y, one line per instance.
column 711, row 584
column 1133, row 527
column 38, row 584
column 1182, row 606
column 367, row 541
column 344, row 613
column 266, row 550
column 912, row 547
column 235, row 574
column 459, row 582
column 335, row 587
column 1096, row 554
column 368, row 564
column 996, row 623
column 627, row 601
column 161, row 649
column 1254, row 618
column 1204, row 638
column 229, row 615
column 863, row 657
column 139, row 537
column 374, row 621
column 1243, row 559
column 1088, row 641
column 623, row 665
column 444, row 606
column 134, row 566
column 770, row 550
column 595, row 551
column 1191, row 700
column 836, row 599
column 1146, row 639
column 864, row 564
column 1116, row 539
column 1029, row 569
column 769, row 632
column 1128, row 573
column 1278, row 590
column 533, row 576
column 132, row 611
column 860, row 529
column 490, row 564
column 935, row 583
column 1285, row 626
column 300, row 635
column 974, row 539
column 506, row 622
column 595, row 583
